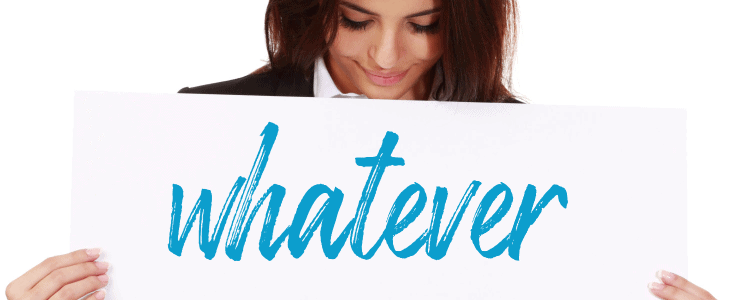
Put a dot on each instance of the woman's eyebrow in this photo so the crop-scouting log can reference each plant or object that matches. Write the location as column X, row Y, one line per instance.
column 364, row 11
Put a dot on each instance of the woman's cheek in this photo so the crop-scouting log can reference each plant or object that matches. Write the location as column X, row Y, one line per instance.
column 427, row 48
column 350, row 44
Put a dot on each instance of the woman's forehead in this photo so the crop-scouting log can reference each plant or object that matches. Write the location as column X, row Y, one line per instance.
column 393, row 8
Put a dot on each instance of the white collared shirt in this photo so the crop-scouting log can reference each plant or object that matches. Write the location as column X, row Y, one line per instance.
column 324, row 87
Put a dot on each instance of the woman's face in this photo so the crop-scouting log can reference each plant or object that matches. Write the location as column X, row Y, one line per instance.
column 385, row 49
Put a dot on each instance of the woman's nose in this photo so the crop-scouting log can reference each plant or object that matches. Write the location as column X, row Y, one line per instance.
column 386, row 50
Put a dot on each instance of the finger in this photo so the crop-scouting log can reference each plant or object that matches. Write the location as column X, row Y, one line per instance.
column 677, row 281
column 63, row 277
column 80, row 288
column 40, row 271
column 99, row 295
column 667, row 292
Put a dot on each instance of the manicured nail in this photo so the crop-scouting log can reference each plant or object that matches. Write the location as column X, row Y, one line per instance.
column 102, row 265
column 100, row 294
column 103, row 278
column 93, row 252
column 664, row 276
column 655, row 286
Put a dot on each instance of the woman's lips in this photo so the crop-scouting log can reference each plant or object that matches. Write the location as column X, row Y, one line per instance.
column 385, row 80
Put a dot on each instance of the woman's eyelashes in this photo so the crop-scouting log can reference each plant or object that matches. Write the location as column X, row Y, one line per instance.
column 430, row 29
column 348, row 23
column 354, row 25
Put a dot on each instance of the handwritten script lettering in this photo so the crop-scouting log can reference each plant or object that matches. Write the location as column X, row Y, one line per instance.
column 298, row 236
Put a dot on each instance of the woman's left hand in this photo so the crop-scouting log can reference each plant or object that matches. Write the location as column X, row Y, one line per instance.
column 675, row 287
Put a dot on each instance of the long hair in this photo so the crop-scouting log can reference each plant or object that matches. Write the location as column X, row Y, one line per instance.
column 479, row 43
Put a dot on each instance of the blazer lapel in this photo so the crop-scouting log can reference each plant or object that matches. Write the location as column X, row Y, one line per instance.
column 294, row 84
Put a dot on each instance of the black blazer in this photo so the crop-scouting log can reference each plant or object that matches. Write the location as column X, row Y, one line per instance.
column 269, row 83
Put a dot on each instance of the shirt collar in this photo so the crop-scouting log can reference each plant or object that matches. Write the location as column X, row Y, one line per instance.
column 324, row 87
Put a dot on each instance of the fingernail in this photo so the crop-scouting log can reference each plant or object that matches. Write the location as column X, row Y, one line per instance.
column 100, row 294
column 102, row 265
column 103, row 278
column 664, row 275
column 655, row 286
column 93, row 252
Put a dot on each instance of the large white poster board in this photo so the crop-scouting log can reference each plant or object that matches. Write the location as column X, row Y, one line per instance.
column 213, row 196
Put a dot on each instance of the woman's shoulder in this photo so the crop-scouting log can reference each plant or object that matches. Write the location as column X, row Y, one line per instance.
column 256, row 83
column 262, row 82
column 512, row 100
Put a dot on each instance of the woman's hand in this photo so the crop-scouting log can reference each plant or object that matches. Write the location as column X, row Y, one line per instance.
column 675, row 287
column 68, row 276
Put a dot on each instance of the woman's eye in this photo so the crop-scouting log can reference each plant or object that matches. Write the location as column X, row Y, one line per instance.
column 420, row 29
column 348, row 23
column 429, row 29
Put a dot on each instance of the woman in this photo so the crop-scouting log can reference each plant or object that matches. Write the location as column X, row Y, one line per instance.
column 450, row 50
column 416, row 50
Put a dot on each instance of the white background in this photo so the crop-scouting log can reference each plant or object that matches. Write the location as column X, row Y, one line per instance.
column 688, row 54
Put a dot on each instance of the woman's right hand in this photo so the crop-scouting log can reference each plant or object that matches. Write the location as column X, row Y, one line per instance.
column 67, row 276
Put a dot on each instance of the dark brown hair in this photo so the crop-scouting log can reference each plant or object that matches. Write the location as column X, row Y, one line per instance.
column 479, row 43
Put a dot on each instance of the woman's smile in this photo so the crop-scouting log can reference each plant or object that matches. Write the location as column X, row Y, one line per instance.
column 385, row 79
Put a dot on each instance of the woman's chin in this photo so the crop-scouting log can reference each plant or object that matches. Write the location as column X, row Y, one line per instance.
column 382, row 95
column 379, row 92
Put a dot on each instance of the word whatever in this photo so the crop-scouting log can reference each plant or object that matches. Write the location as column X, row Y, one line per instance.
column 436, row 245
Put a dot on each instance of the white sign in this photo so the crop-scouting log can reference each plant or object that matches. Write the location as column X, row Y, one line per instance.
column 238, row 197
